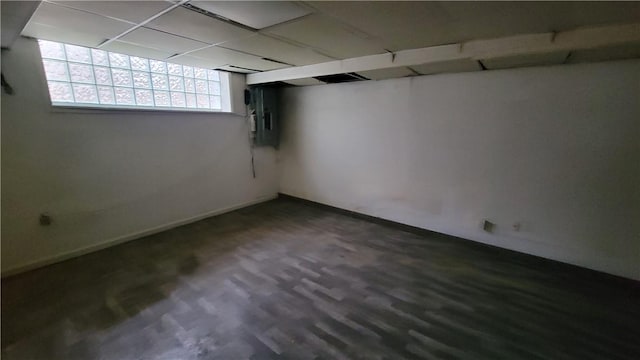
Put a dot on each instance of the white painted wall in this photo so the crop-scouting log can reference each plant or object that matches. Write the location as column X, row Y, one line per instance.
column 554, row 148
column 108, row 176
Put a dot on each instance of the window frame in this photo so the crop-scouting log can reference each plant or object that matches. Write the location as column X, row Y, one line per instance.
column 223, row 81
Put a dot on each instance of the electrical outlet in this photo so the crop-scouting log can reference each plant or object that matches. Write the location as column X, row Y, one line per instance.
column 488, row 226
column 45, row 219
column 517, row 226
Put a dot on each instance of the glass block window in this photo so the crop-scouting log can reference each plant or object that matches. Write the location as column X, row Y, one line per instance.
column 80, row 76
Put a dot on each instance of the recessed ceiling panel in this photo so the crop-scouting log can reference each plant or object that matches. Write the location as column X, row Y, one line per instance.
column 526, row 60
column 161, row 40
column 463, row 65
column 328, row 36
column 69, row 21
column 265, row 46
column 136, row 50
column 255, row 14
column 390, row 73
column 188, row 23
column 629, row 51
column 231, row 57
column 134, row 11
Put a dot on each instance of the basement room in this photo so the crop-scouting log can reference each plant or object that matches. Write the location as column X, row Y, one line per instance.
column 235, row 180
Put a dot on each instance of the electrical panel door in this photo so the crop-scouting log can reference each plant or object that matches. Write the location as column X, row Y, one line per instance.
column 264, row 103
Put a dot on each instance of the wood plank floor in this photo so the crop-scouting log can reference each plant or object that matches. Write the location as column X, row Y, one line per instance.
column 286, row 279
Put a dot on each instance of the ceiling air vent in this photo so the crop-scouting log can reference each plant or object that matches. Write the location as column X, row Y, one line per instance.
column 340, row 78
column 241, row 69
column 253, row 14
column 276, row 61
column 215, row 16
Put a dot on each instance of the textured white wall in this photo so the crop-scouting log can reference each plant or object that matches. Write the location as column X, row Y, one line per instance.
column 556, row 149
column 106, row 176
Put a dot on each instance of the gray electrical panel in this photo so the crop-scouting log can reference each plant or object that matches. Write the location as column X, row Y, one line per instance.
column 264, row 104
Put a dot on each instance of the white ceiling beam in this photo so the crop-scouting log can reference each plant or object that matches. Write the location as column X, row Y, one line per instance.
column 363, row 63
column 589, row 38
column 578, row 39
column 433, row 54
column 508, row 46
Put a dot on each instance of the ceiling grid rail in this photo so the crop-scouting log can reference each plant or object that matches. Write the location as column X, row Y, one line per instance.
column 108, row 41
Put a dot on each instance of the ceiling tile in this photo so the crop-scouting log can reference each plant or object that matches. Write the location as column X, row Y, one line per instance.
column 241, row 64
column 256, row 63
column 463, row 65
column 265, row 46
column 223, row 56
column 217, row 55
column 328, row 36
column 196, row 61
column 134, row 11
column 399, row 25
column 305, row 82
column 161, row 41
column 390, row 73
column 628, row 51
column 497, row 18
column 72, row 24
column 45, row 32
column 526, row 60
column 136, row 50
column 188, row 23
column 415, row 24
column 255, row 14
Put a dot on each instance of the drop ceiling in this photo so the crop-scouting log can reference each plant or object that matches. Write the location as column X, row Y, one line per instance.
column 162, row 40
column 190, row 24
column 406, row 25
column 328, row 36
column 222, row 56
column 76, row 25
column 259, row 36
column 271, row 48
column 255, row 14
column 136, row 50
column 135, row 14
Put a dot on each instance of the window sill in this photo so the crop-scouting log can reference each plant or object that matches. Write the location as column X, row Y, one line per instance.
column 89, row 109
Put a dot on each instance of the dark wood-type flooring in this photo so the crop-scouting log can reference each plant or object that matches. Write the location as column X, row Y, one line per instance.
column 286, row 279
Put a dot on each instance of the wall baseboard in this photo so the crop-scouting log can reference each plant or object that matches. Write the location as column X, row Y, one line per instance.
column 129, row 237
column 608, row 268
